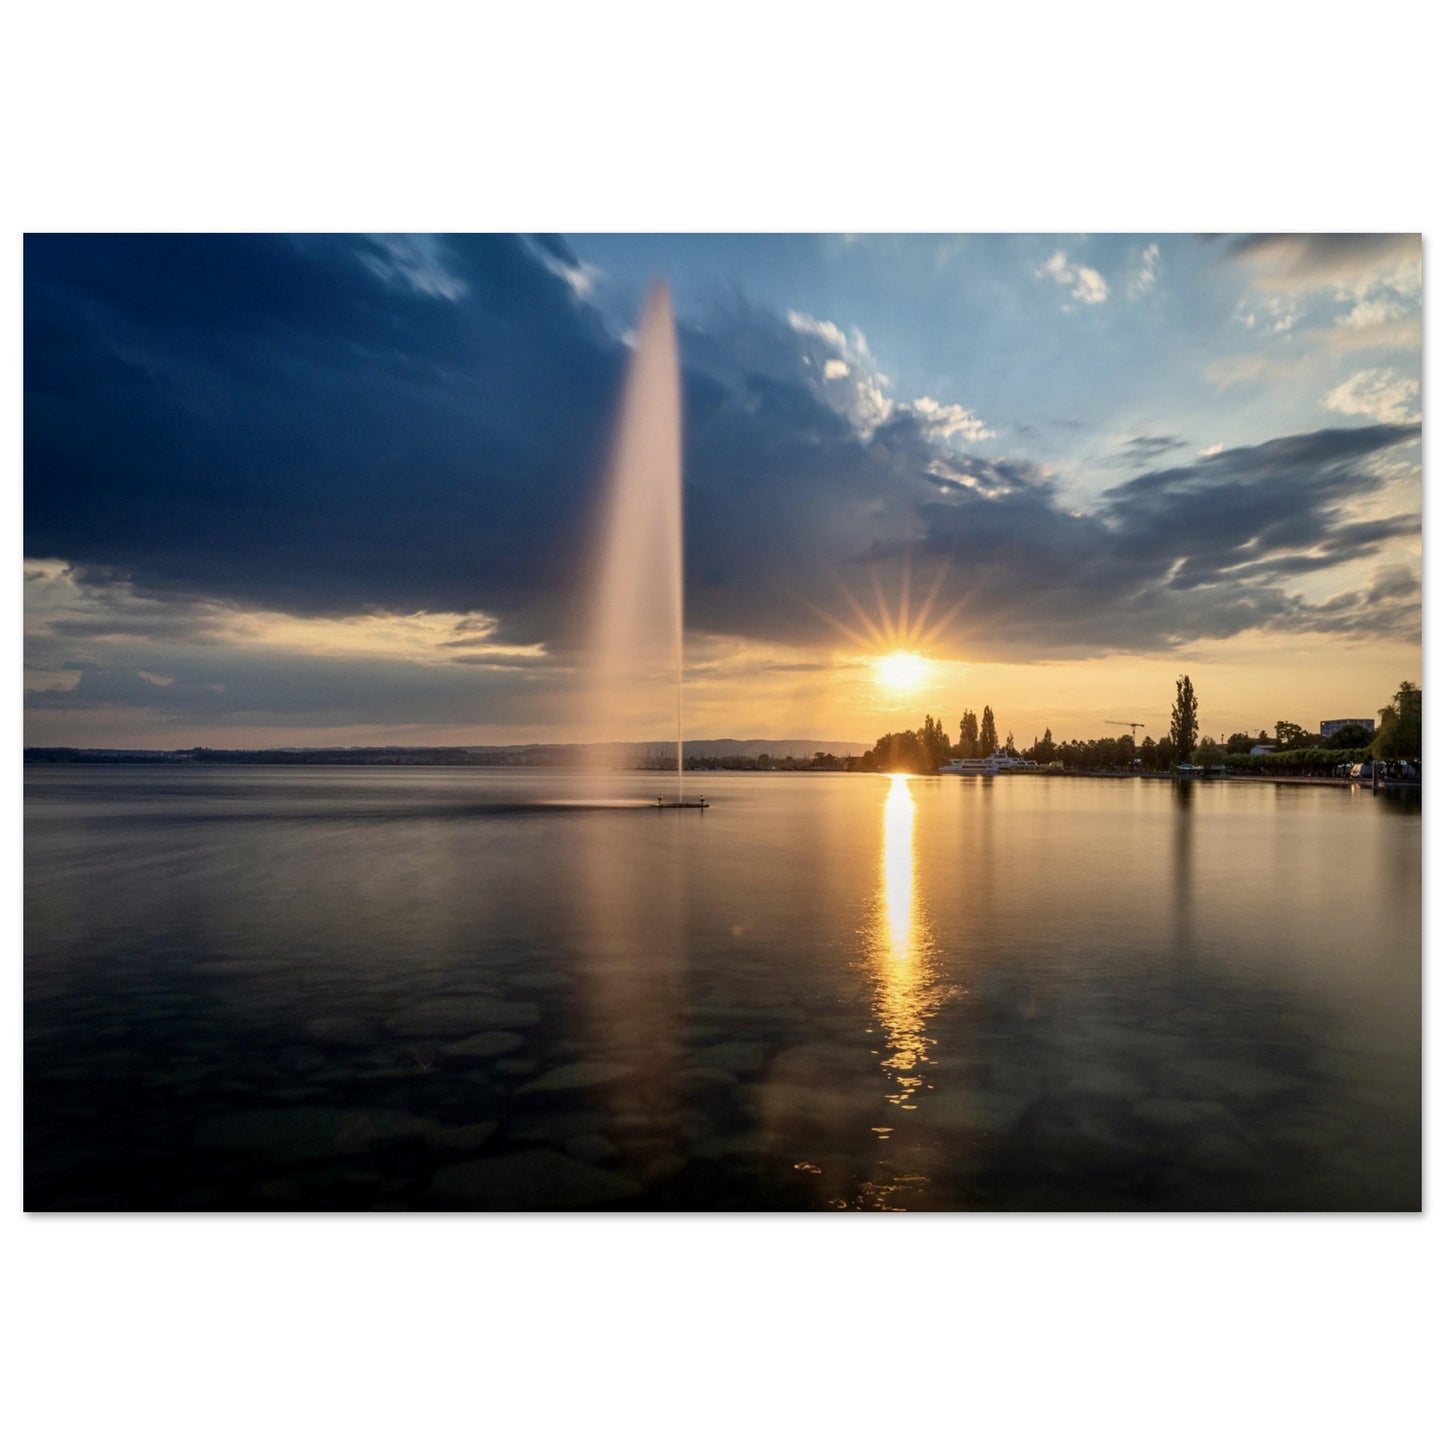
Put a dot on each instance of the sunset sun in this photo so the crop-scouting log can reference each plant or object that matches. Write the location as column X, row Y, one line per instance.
column 902, row 671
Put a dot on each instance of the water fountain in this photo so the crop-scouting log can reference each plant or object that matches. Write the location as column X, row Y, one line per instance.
column 637, row 642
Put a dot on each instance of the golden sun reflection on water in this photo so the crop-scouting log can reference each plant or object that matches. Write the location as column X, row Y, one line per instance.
column 901, row 951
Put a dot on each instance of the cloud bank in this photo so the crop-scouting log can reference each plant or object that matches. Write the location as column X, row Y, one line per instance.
column 388, row 428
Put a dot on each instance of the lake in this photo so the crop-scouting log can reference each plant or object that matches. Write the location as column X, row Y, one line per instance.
column 275, row 988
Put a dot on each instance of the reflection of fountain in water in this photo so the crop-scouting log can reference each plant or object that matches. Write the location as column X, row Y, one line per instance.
column 902, row 951
column 637, row 643
column 632, row 973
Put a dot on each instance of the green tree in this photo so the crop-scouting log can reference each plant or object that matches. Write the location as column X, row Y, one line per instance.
column 1398, row 735
column 1184, row 719
column 934, row 742
column 1046, row 751
column 1208, row 754
column 968, row 736
column 987, row 734
column 1289, row 735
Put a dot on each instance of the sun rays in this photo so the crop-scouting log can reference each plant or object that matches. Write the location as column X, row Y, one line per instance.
column 897, row 639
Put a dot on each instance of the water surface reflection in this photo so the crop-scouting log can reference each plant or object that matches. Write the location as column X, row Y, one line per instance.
column 413, row 988
column 901, row 952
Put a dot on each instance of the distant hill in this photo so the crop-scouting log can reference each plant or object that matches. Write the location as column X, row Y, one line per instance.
column 774, row 747
column 513, row 755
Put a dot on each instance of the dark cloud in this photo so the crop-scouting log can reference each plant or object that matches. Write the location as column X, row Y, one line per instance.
column 325, row 692
column 332, row 426
column 1199, row 551
column 179, row 628
column 312, row 424
column 1140, row 450
column 1292, row 260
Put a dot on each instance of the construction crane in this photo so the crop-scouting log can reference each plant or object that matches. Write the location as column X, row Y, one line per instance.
column 1133, row 727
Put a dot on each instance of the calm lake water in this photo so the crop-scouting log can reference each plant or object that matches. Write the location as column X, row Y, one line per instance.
column 413, row 988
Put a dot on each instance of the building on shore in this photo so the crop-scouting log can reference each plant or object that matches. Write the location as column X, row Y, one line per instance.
column 1330, row 728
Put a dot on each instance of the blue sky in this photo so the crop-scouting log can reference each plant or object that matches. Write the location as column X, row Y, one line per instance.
column 289, row 489
column 1050, row 336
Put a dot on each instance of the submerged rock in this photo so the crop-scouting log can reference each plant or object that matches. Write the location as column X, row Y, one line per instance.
column 702, row 1078
column 585, row 1075
column 461, row 1138
column 310, row 1133
column 990, row 1111
column 736, row 1057
column 341, row 1030
column 487, row 1045
column 462, row 1014
column 1224, row 1078
column 1178, row 1113
column 277, row 1191
column 591, row 1148
column 663, row 1167
column 536, row 1179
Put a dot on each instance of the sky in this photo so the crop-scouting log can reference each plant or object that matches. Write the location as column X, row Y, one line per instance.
column 319, row 489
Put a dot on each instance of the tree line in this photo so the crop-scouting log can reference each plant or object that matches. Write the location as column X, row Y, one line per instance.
column 1295, row 750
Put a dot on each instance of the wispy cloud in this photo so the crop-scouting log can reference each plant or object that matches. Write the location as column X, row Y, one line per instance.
column 1360, row 291
column 1083, row 283
column 1236, row 370
column 1137, row 451
column 1269, row 315
column 1146, row 273
column 563, row 262
column 419, row 262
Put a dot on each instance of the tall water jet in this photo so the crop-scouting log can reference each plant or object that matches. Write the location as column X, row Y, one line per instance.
column 636, row 686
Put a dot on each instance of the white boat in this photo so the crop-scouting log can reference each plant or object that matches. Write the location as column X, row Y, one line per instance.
column 998, row 761
column 969, row 767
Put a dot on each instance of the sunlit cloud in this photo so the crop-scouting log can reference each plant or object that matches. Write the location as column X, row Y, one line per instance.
column 851, row 379
column 1372, row 325
column 61, row 605
column 1380, row 393
column 1360, row 291
column 948, row 421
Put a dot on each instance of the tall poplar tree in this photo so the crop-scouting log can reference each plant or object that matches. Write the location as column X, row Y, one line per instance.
column 968, row 736
column 987, row 734
column 1184, row 720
